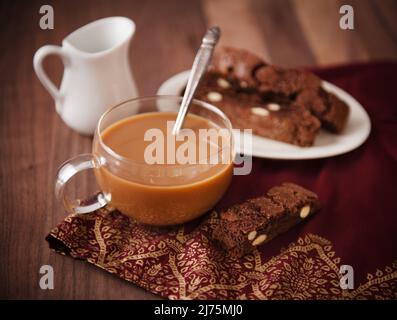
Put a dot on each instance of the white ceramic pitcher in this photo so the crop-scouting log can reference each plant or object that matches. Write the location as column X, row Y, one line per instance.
column 97, row 73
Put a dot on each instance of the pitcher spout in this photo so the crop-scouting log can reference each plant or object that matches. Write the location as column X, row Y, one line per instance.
column 115, row 32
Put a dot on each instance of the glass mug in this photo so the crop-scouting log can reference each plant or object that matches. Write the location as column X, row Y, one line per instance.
column 153, row 194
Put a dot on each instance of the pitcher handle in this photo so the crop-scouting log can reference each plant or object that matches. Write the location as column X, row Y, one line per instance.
column 69, row 169
column 38, row 59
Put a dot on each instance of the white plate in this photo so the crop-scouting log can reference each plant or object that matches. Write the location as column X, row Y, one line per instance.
column 326, row 144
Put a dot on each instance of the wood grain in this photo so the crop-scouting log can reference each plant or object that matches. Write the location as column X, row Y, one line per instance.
column 377, row 35
column 35, row 141
column 329, row 43
column 243, row 32
column 283, row 32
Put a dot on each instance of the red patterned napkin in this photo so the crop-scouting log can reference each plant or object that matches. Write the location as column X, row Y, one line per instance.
column 357, row 224
column 178, row 264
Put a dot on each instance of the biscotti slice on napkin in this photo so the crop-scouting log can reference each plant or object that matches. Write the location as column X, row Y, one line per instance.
column 254, row 222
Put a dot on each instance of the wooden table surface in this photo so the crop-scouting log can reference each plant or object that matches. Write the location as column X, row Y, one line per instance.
column 35, row 141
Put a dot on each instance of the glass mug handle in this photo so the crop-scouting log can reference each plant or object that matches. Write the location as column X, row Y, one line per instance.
column 69, row 169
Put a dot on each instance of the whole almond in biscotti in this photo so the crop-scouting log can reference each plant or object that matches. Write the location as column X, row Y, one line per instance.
column 273, row 106
column 252, row 235
column 223, row 83
column 259, row 240
column 258, row 111
column 214, row 96
column 305, row 211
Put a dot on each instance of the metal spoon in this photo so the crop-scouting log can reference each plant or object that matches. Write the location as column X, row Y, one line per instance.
column 200, row 64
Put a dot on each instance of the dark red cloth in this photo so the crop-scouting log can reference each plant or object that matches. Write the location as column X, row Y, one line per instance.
column 358, row 193
column 358, row 190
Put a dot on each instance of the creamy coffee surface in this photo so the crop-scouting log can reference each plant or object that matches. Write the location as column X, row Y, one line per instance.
column 169, row 192
column 132, row 136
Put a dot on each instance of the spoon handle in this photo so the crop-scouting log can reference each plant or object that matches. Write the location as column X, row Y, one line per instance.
column 200, row 64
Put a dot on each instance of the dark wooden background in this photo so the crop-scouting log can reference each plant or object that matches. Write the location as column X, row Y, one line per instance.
column 34, row 140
